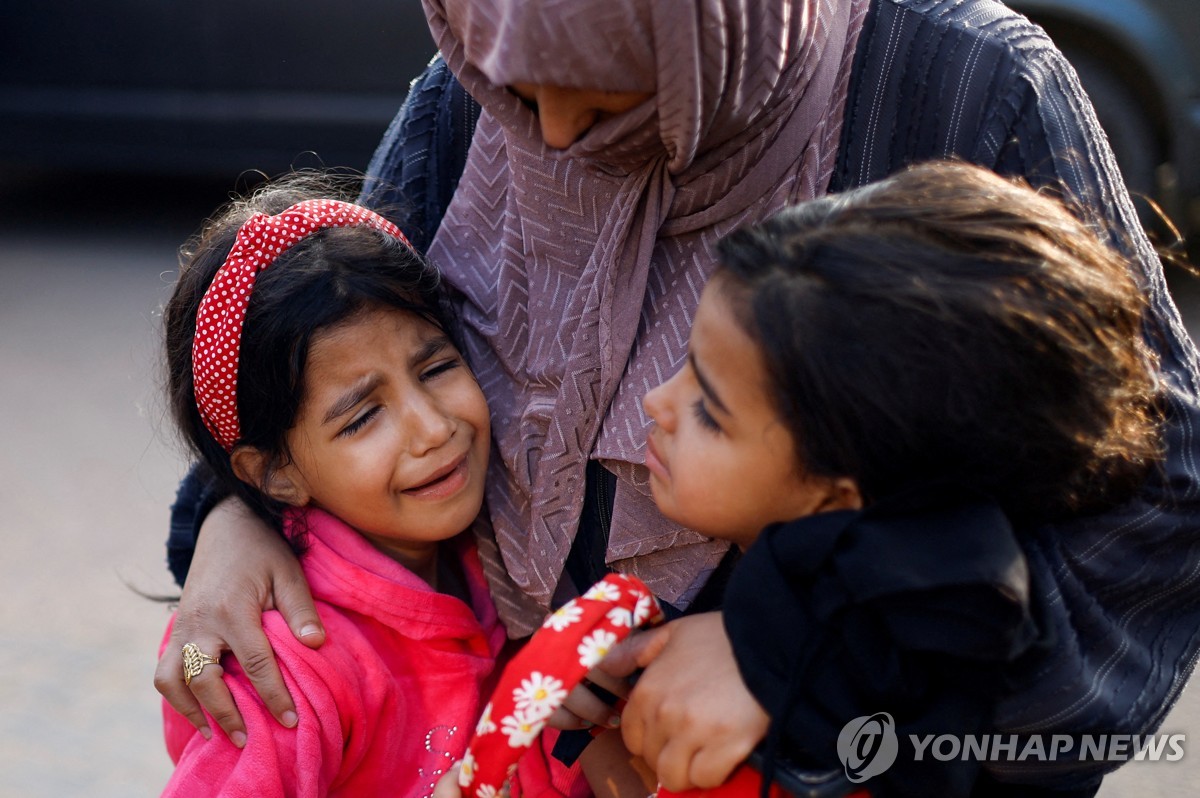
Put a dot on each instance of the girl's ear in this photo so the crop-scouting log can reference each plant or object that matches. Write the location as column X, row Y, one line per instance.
column 843, row 495
column 285, row 484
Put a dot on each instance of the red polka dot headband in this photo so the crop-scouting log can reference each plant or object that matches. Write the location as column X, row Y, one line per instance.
column 218, row 342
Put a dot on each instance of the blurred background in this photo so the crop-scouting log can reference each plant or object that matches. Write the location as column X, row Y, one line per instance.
column 122, row 125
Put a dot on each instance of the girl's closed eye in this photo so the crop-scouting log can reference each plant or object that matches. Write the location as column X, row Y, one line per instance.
column 359, row 422
column 440, row 368
column 704, row 417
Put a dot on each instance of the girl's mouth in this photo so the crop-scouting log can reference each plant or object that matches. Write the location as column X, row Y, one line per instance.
column 442, row 483
column 654, row 462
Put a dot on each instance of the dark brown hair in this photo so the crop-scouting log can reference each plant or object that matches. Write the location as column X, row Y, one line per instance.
column 947, row 325
column 325, row 280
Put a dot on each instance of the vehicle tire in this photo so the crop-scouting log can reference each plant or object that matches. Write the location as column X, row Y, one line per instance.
column 1125, row 121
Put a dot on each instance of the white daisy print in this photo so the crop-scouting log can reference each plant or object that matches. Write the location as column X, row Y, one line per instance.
column 522, row 729
column 595, row 647
column 466, row 773
column 485, row 725
column 643, row 609
column 539, row 695
column 619, row 616
column 603, row 591
column 563, row 617
column 485, row 791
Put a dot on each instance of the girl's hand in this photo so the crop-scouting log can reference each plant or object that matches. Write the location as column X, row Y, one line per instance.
column 690, row 716
column 583, row 709
column 447, row 786
column 613, row 772
column 241, row 567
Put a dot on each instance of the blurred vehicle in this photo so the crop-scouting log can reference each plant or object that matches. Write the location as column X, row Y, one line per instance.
column 203, row 88
column 1139, row 61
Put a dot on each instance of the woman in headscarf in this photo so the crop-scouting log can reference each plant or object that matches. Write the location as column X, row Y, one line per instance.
column 613, row 141
column 569, row 258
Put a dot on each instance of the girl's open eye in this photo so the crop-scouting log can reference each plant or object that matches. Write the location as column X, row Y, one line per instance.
column 704, row 417
column 359, row 422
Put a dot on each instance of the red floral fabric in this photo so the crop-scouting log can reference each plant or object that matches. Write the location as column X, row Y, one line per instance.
column 572, row 641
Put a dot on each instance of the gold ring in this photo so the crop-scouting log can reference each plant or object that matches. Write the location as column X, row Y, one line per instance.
column 194, row 661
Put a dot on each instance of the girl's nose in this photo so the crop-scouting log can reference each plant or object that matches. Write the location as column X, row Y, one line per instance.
column 428, row 427
column 657, row 405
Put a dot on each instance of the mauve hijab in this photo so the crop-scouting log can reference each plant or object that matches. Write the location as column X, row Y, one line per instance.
column 577, row 272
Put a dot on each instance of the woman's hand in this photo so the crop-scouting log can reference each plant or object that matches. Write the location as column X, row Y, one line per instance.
column 690, row 716
column 241, row 567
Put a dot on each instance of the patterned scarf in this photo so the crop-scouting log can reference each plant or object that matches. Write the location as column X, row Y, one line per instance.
column 578, row 271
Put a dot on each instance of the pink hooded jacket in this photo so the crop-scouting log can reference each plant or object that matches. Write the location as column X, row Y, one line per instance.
column 385, row 706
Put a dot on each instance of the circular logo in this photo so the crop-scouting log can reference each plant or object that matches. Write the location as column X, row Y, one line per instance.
column 868, row 746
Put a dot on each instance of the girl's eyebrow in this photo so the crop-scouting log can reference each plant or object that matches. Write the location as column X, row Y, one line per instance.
column 706, row 386
column 429, row 349
column 346, row 402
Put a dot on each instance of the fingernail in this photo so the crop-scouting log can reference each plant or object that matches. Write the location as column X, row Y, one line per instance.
column 614, row 721
column 310, row 629
column 238, row 738
column 290, row 719
column 206, row 732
